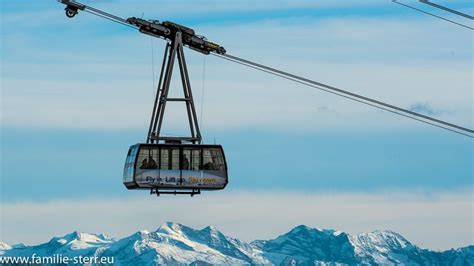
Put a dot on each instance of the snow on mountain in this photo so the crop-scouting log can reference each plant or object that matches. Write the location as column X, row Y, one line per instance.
column 382, row 246
column 305, row 245
column 177, row 244
column 4, row 247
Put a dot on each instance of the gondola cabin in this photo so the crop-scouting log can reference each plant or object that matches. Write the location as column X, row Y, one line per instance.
column 175, row 167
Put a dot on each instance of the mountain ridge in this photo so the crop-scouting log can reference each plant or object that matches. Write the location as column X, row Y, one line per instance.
column 177, row 244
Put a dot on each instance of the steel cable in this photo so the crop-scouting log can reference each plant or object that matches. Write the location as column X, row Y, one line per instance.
column 352, row 96
column 431, row 14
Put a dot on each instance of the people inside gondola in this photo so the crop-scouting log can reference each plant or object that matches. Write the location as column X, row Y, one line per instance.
column 210, row 165
column 185, row 162
column 214, row 163
column 151, row 163
column 144, row 164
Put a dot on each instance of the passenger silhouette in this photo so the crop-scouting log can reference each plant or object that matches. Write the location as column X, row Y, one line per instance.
column 214, row 163
column 211, row 165
column 144, row 164
column 151, row 163
column 185, row 162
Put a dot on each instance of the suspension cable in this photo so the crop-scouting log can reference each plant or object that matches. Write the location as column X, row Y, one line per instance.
column 447, row 9
column 352, row 96
column 152, row 65
column 202, row 91
column 431, row 14
column 121, row 21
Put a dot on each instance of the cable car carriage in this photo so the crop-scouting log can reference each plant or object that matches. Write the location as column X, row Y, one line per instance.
column 175, row 168
column 175, row 165
column 170, row 165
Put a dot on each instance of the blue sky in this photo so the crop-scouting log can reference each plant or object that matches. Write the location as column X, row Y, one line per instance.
column 77, row 93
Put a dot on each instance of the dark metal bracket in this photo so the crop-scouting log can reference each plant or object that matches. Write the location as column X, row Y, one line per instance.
column 157, row 192
column 173, row 51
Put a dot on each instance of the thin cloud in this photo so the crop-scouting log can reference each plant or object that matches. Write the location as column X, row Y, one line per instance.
column 427, row 109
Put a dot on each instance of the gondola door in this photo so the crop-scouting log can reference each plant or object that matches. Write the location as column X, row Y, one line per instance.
column 170, row 172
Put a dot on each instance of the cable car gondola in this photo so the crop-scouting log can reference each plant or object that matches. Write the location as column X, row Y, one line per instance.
column 170, row 165
column 175, row 167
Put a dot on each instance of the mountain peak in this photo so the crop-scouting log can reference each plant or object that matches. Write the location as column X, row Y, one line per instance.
column 387, row 236
column 212, row 231
column 211, row 228
column 170, row 228
column 304, row 229
column 77, row 236
column 301, row 229
column 381, row 241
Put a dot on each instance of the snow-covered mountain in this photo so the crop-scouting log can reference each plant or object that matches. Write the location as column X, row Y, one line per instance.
column 176, row 244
